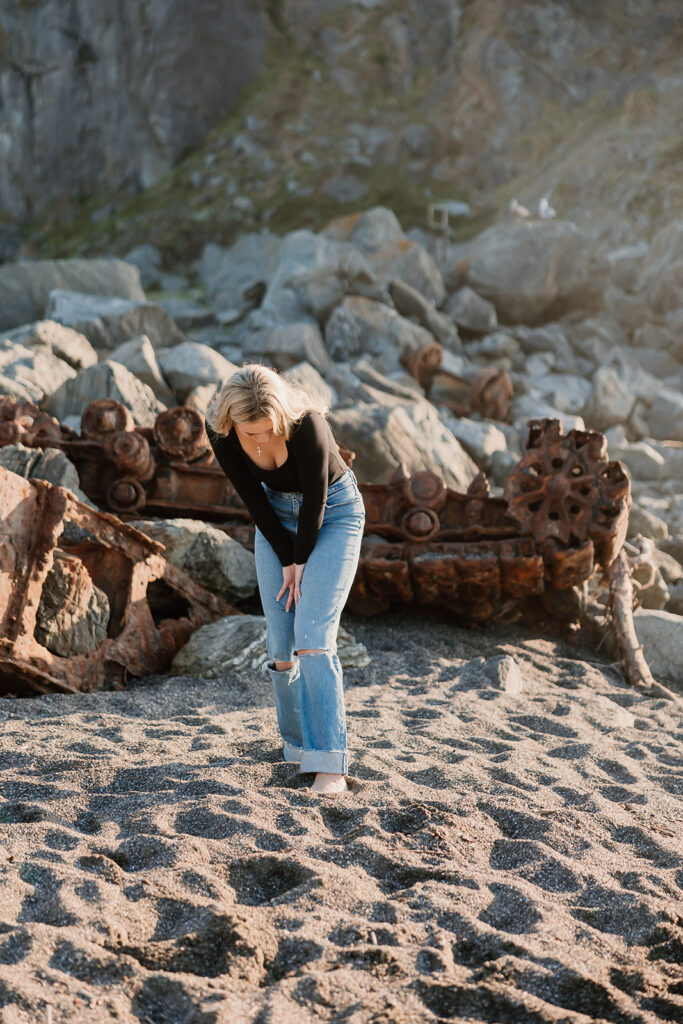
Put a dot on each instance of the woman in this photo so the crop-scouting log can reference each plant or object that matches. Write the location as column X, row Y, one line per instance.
column 276, row 447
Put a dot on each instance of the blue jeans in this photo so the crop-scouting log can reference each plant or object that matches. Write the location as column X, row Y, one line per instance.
column 309, row 697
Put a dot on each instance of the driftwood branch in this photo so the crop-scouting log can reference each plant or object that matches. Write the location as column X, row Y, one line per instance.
column 621, row 605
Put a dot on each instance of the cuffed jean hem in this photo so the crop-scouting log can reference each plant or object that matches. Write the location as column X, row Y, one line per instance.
column 290, row 752
column 333, row 761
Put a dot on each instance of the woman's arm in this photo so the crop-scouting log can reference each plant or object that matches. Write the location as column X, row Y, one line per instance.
column 310, row 446
column 253, row 496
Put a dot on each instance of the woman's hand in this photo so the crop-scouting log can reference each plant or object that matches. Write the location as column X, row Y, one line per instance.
column 287, row 584
column 298, row 573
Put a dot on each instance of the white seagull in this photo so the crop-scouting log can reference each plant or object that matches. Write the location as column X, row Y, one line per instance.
column 545, row 210
column 518, row 209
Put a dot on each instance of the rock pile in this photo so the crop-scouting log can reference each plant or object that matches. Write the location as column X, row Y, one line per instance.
column 589, row 337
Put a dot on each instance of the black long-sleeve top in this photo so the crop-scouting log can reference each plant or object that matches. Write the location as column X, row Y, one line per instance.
column 313, row 463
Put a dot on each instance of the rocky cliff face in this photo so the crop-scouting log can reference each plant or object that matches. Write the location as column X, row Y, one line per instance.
column 366, row 102
column 103, row 95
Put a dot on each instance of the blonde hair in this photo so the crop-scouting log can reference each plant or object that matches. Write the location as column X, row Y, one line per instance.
column 255, row 392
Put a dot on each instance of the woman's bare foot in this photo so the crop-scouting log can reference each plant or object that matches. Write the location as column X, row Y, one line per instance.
column 326, row 782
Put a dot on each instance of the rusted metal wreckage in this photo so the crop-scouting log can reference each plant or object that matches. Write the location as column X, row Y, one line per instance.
column 563, row 514
column 153, row 606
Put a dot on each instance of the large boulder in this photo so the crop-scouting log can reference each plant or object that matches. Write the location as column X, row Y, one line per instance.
column 471, row 313
column 661, row 636
column 323, row 288
column 189, row 365
column 611, row 399
column 108, row 321
column 403, row 260
column 148, row 259
column 385, row 436
column 228, row 273
column 661, row 280
column 37, row 371
column 290, row 344
column 479, row 438
column 665, row 416
column 412, row 304
column 203, row 551
column 105, row 380
column 368, row 229
column 307, row 377
column 25, row 286
column 300, row 253
column 536, row 271
column 361, row 327
column 237, row 643
column 73, row 613
column 63, row 342
column 138, row 356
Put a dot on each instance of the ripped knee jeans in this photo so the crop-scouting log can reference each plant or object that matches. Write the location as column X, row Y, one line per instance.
column 309, row 697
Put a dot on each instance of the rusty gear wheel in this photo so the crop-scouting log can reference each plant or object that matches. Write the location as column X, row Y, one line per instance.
column 564, row 488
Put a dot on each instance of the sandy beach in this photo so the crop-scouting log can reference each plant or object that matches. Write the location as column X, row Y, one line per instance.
column 498, row 857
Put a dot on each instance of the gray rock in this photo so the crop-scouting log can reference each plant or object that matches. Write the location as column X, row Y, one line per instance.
column 374, row 227
column 138, row 356
column 626, row 263
column 668, row 338
column 25, row 286
column 498, row 345
column 658, row 362
column 65, row 343
column 535, row 271
column 376, row 386
column 200, row 398
column 642, row 460
column 350, row 652
column 103, row 111
column 661, row 636
column 36, row 370
column 73, row 613
column 410, row 303
column 409, row 433
column 661, row 280
column 503, row 671
column 313, row 383
column 564, row 391
column 361, row 327
column 105, row 380
column 107, row 322
column 147, row 258
column 228, row 273
column 480, row 439
column 665, row 416
column 187, row 314
column 532, row 407
column 646, row 523
column 323, row 288
column 611, row 400
column 286, row 346
column 237, row 643
column 654, row 593
column 675, row 605
column 403, row 260
column 19, row 459
column 19, row 392
column 206, row 553
column 471, row 313
column 190, row 364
